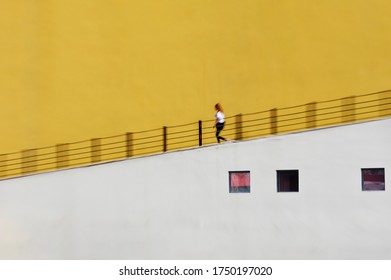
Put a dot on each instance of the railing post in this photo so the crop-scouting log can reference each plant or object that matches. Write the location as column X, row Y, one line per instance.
column 200, row 133
column 348, row 109
column 129, row 144
column 311, row 115
column 238, row 127
column 164, row 138
column 273, row 121
column 3, row 166
column 29, row 161
column 95, row 150
column 62, row 157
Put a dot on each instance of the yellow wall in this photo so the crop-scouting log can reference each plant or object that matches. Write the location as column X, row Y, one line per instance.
column 72, row 70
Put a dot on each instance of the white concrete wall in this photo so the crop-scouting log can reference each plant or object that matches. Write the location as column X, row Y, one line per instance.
column 177, row 205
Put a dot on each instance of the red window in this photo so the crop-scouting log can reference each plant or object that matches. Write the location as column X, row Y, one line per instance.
column 373, row 179
column 239, row 181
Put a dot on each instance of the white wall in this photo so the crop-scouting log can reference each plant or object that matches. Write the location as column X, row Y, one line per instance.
column 177, row 205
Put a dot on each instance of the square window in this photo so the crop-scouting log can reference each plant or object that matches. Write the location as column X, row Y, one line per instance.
column 373, row 179
column 287, row 180
column 239, row 181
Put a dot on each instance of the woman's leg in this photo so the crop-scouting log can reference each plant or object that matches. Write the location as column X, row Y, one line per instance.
column 217, row 134
column 219, row 128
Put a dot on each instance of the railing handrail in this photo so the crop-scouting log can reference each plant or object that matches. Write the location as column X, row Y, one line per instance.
column 168, row 138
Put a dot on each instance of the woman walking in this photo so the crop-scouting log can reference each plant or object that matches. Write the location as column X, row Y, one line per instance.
column 219, row 122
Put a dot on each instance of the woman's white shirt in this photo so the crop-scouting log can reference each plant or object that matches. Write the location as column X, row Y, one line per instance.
column 220, row 116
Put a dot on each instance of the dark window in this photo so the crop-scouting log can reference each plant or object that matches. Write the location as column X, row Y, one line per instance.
column 373, row 179
column 287, row 180
column 239, row 181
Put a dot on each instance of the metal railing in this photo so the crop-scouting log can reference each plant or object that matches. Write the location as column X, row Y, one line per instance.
column 168, row 138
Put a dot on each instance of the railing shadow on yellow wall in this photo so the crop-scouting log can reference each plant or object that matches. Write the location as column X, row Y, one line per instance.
column 169, row 138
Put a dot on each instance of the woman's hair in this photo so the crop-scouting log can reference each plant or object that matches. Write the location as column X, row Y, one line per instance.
column 218, row 107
